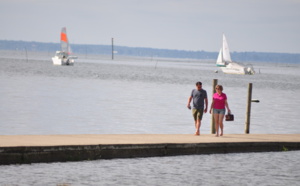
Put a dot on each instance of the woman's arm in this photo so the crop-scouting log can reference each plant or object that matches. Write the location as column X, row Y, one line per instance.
column 211, row 106
column 226, row 105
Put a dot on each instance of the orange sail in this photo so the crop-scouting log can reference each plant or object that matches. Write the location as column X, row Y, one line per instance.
column 63, row 37
column 65, row 47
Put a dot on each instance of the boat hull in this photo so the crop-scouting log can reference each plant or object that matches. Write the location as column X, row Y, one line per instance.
column 58, row 61
column 232, row 71
column 63, row 58
column 235, row 68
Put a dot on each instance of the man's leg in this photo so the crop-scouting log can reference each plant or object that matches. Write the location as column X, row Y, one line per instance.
column 199, row 118
column 198, row 126
column 195, row 116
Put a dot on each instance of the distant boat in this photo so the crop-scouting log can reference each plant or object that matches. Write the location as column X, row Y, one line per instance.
column 63, row 57
column 227, row 65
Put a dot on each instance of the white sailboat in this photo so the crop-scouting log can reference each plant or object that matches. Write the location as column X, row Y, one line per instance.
column 63, row 57
column 227, row 65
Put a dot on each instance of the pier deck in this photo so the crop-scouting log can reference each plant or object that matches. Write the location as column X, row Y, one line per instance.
column 59, row 148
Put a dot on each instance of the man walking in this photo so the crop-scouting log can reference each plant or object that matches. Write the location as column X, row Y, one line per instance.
column 199, row 96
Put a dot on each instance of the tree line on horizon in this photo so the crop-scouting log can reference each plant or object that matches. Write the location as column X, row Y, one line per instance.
column 150, row 52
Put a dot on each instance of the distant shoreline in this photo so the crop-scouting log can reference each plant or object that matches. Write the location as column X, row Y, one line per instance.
column 244, row 57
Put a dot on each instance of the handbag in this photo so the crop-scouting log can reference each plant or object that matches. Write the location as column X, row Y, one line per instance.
column 229, row 117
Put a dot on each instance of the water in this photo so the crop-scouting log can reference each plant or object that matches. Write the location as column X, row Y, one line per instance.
column 120, row 97
column 280, row 168
column 130, row 96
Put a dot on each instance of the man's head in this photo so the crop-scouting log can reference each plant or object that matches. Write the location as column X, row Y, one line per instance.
column 199, row 85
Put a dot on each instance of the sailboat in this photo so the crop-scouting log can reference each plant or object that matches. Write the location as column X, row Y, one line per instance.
column 63, row 56
column 227, row 65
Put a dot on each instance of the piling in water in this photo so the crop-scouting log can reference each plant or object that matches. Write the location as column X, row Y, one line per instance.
column 212, row 124
column 248, row 109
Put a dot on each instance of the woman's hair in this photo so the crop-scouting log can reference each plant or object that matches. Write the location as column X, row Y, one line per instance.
column 220, row 87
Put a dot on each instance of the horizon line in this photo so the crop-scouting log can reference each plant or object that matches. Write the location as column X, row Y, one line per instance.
column 150, row 47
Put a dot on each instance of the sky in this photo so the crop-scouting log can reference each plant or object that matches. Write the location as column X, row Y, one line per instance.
column 195, row 25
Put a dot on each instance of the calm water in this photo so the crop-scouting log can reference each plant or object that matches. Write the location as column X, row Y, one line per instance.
column 126, row 96
column 280, row 168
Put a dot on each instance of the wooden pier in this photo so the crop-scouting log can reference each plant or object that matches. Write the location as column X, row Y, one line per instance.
column 18, row 149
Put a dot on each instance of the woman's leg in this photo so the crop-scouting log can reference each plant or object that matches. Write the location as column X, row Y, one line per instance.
column 216, row 118
column 221, row 118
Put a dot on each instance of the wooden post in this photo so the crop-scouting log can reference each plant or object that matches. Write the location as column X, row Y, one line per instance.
column 26, row 54
column 212, row 124
column 248, row 109
column 112, row 48
column 85, row 53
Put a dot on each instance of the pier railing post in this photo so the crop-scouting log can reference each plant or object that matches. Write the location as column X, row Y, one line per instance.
column 248, row 109
column 212, row 124
column 112, row 48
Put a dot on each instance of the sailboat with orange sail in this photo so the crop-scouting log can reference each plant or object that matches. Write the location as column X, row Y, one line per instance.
column 63, row 57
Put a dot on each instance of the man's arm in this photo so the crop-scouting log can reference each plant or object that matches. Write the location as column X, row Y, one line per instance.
column 189, row 102
column 206, row 104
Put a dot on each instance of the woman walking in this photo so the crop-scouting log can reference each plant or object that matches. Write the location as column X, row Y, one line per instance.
column 219, row 102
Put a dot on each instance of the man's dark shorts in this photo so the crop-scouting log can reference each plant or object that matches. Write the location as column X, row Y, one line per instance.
column 197, row 114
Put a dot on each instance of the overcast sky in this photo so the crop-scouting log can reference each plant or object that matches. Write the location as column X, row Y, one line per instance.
column 249, row 25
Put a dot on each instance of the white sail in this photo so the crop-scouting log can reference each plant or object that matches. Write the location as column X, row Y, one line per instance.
column 220, row 61
column 226, row 53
